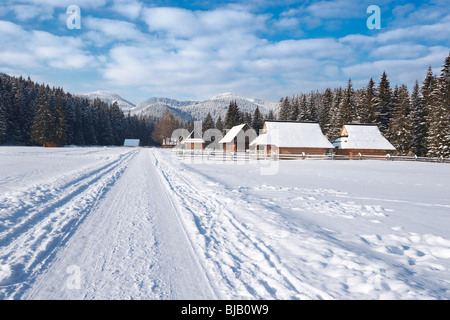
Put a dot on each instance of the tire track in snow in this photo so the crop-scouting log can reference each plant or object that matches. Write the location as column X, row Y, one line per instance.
column 40, row 219
column 244, row 266
column 131, row 246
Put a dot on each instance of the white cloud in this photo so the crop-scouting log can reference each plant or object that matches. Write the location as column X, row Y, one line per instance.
column 183, row 23
column 399, row 51
column 200, row 53
column 128, row 8
column 400, row 71
column 102, row 31
column 337, row 9
column 40, row 49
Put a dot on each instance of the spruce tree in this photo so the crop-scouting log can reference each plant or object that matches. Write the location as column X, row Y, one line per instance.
column 219, row 124
column 3, row 121
column 257, row 121
column 400, row 128
column 335, row 117
column 59, row 125
column 366, row 104
column 428, row 86
column 270, row 116
column 295, row 109
column 233, row 116
column 311, row 109
column 247, row 118
column 42, row 129
column 208, row 123
column 303, row 108
column 383, row 103
column 117, row 124
column 347, row 107
column 438, row 139
column 418, row 120
column 284, row 110
column 324, row 112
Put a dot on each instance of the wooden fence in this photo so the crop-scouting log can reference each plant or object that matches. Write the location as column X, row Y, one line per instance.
column 222, row 156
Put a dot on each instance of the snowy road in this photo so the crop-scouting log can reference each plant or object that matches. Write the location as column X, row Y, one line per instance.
column 117, row 223
column 131, row 246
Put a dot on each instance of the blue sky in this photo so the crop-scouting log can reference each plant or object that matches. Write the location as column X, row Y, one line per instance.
column 198, row 49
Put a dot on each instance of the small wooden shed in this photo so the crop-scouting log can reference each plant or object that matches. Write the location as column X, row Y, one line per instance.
column 362, row 139
column 238, row 138
column 292, row 138
column 194, row 141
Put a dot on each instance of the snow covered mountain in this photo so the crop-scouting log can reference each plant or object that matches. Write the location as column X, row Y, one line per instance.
column 187, row 110
column 110, row 98
column 197, row 110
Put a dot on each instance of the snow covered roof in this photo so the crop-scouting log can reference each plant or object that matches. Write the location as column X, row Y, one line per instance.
column 194, row 137
column 131, row 143
column 286, row 134
column 233, row 132
column 357, row 136
column 260, row 140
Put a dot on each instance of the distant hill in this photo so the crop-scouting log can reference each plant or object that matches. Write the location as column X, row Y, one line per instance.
column 110, row 98
column 198, row 110
column 186, row 110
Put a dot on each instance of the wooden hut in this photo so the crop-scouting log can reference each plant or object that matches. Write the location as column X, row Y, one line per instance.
column 292, row 138
column 194, row 141
column 362, row 139
column 238, row 138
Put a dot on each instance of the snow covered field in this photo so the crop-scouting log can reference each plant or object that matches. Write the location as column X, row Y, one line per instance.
column 118, row 223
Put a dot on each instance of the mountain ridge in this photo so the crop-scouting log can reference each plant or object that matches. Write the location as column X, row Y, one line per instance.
column 188, row 109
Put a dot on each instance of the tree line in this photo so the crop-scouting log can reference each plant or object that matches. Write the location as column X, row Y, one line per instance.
column 35, row 114
column 416, row 122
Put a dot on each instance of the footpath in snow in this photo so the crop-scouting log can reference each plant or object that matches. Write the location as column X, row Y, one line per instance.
column 117, row 223
column 115, row 238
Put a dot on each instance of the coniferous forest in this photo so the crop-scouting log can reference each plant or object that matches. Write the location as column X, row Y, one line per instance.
column 416, row 121
column 35, row 114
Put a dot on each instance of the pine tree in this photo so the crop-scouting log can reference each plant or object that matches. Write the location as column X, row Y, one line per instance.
column 304, row 114
column 208, row 123
column 366, row 104
column 311, row 109
column 284, row 110
column 3, row 123
column 59, row 126
column 247, row 118
column 439, row 115
column 219, row 124
column 3, row 119
column 400, row 128
column 383, row 103
column 233, row 116
column 428, row 86
column 270, row 116
column 418, row 120
column 257, row 121
column 335, row 117
column 324, row 112
column 42, row 129
column 295, row 109
column 347, row 107
column 117, row 123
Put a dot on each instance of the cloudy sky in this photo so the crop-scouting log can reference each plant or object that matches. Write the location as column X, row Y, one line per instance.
column 197, row 49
